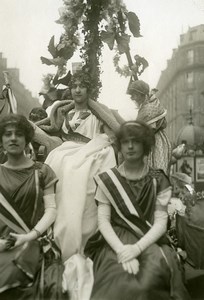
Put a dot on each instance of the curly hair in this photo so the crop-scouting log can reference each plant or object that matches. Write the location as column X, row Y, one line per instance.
column 142, row 133
column 20, row 122
column 83, row 77
column 37, row 114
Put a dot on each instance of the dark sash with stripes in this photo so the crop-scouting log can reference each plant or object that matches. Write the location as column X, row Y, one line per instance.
column 10, row 215
column 123, row 200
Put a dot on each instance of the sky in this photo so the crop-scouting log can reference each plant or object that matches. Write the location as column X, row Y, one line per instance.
column 26, row 27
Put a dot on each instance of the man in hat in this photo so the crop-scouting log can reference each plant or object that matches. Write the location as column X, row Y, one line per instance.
column 182, row 184
column 153, row 113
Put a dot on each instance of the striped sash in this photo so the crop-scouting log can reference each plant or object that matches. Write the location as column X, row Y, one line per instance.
column 122, row 198
column 9, row 216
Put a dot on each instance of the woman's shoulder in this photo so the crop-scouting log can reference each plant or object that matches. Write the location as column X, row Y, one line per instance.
column 42, row 166
column 106, row 173
column 162, row 179
column 46, row 175
column 157, row 173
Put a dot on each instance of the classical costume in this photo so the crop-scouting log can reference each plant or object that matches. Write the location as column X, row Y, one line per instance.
column 152, row 113
column 86, row 150
column 33, row 270
column 133, row 204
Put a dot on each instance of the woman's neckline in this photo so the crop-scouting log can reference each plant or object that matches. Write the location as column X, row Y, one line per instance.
column 20, row 167
column 142, row 174
column 82, row 109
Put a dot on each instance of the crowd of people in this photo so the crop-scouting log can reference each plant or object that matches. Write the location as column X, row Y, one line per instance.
column 90, row 221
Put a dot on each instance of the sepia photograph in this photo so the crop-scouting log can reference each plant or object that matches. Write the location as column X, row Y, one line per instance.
column 101, row 136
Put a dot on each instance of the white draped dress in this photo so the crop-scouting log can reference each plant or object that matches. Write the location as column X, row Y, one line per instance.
column 75, row 164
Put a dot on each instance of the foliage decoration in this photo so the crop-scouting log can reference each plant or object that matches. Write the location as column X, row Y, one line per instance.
column 136, row 69
column 88, row 24
column 91, row 50
column 134, row 24
column 125, row 70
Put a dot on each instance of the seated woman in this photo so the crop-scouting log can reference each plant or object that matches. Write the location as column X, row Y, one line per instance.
column 130, row 253
column 87, row 132
column 29, row 261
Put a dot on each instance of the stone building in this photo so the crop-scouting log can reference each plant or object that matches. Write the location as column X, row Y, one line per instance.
column 25, row 100
column 181, row 84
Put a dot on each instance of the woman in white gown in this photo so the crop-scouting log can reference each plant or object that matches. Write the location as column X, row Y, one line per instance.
column 87, row 129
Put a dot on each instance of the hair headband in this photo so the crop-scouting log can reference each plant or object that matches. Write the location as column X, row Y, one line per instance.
column 11, row 122
column 133, row 124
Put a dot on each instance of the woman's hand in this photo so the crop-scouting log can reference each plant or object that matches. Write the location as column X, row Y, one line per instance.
column 128, row 252
column 3, row 245
column 20, row 239
column 131, row 266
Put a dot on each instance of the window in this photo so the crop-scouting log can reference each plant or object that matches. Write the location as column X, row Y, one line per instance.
column 190, row 101
column 189, row 79
column 190, row 56
column 192, row 35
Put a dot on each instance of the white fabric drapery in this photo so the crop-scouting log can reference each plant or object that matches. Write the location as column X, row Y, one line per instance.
column 75, row 165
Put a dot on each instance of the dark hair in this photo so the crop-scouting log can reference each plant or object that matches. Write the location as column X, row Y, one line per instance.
column 83, row 77
column 37, row 114
column 20, row 122
column 142, row 132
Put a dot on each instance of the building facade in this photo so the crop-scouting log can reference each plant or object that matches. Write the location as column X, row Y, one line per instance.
column 181, row 84
column 25, row 100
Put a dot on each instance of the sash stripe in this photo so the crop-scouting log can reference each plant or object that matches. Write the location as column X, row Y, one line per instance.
column 10, row 209
column 122, row 193
column 123, row 202
column 114, row 192
column 36, row 195
column 14, row 205
column 112, row 201
column 11, row 225
column 127, row 189
column 8, row 215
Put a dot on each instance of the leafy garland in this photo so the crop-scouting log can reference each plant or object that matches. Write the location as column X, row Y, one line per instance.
column 91, row 50
column 87, row 25
column 125, row 70
column 136, row 69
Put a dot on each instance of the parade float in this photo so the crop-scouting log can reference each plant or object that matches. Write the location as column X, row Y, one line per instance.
column 87, row 26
